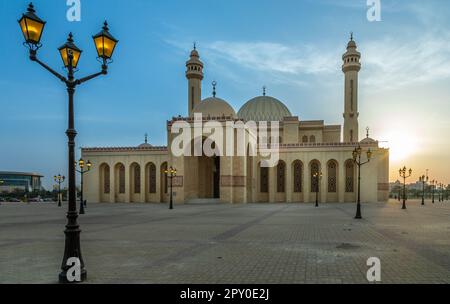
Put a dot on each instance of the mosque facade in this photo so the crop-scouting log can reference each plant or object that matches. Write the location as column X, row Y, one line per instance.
column 313, row 159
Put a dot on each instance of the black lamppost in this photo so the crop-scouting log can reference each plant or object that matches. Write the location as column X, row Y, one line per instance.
column 357, row 160
column 441, row 193
column 32, row 27
column 171, row 173
column 59, row 179
column 317, row 177
column 433, row 184
column 403, row 173
column 423, row 179
column 82, row 171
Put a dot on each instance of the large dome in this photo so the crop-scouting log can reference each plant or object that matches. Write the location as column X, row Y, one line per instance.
column 264, row 108
column 214, row 107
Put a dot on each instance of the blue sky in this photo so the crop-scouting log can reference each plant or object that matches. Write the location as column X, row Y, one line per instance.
column 293, row 47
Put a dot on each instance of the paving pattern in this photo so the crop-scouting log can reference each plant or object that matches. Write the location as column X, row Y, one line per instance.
column 221, row 243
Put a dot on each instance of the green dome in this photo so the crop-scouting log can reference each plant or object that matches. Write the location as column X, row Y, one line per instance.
column 263, row 108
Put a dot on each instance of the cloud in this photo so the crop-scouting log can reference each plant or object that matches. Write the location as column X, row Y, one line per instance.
column 393, row 63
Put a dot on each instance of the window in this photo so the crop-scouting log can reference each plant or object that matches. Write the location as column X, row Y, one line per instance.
column 137, row 179
column 332, row 172
column 106, row 182
column 264, row 179
column 305, row 139
column 152, row 178
column 298, row 173
column 281, row 170
column 349, row 176
column 312, row 139
column 314, row 180
column 121, row 178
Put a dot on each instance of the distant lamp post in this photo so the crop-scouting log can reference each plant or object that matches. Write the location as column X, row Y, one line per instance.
column 171, row 173
column 84, row 168
column 357, row 160
column 433, row 184
column 424, row 180
column 441, row 193
column 32, row 28
column 404, row 173
column 59, row 180
column 317, row 177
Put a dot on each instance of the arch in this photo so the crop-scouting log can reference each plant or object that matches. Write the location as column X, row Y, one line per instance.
column 314, row 167
column 349, row 176
column 350, row 181
column 332, row 170
column 164, row 190
column 333, row 181
column 135, row 182
column 312, row 139
column 281, row 176
column 263, row 179
column 150, row 184
column 105, row 182
column 298, row 176
column 119, row 186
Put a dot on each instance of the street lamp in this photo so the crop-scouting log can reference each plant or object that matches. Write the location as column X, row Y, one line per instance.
column 171, row 173
column 32, row 28
column 317, row 177
column 357, row 160
column 423, row 179
column 441, row 193
column 433, row 183
column 403, row 173
column 82, row 171
column 59, row 179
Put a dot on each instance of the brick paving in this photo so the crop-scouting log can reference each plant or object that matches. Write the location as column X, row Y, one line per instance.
column 221, row 243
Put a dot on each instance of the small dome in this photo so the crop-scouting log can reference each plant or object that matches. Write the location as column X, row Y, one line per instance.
column 145, row 145
column 264, row 108
column 214, row 107
column 368, row 140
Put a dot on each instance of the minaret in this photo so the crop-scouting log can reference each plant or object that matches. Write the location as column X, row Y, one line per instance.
column 194, row 74
column 351, row 68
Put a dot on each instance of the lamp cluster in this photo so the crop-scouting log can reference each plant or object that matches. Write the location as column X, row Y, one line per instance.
column 32, row 28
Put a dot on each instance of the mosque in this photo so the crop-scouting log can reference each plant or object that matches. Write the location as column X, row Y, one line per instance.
column 313, row 158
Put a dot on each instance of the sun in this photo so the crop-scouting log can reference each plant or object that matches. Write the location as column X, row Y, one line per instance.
column 402, row 143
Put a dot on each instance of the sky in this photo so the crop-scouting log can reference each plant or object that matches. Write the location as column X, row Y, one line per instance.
column 293, row 47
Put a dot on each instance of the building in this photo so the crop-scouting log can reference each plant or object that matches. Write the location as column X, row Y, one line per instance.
column 303, row 147
column 13, row 181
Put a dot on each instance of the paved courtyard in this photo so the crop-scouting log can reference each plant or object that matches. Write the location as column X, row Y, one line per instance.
column 218, row 243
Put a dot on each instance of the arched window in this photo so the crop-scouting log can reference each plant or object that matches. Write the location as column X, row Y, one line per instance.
column 298, row 173
column 121, row 178
column 137, row 178
column 152, row 178
column 106, row 180
column 332, row 176
column 305, row 139
column 264, row 179
column 312, row 139
column 315, row 167
column 349, row 176
column 281, row 176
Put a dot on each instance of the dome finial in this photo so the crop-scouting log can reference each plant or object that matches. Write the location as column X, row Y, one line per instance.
column 214, row 84
column 367, row 134
column 195, row 45
column 264, row 90
column 351, row 36
column 146, row 135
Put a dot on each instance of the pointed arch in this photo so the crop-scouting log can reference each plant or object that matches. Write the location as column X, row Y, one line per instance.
column 281, row 177
column 105, row 182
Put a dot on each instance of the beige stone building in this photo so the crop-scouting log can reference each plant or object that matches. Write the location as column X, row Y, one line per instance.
column 136, row 174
